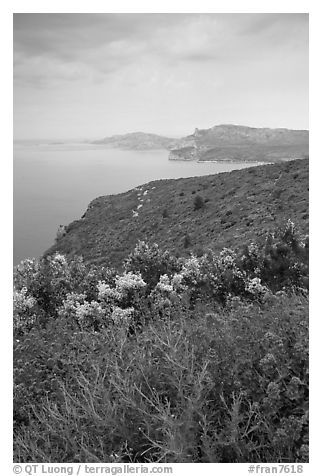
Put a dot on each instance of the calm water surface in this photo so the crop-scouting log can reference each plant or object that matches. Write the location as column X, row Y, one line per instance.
column 54, row 184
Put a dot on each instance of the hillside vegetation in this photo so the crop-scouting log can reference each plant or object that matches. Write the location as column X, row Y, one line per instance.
column 191, row 215
column 169, row 360
column 170, row 324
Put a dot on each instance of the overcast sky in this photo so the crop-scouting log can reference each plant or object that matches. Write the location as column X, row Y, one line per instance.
column 91, row 75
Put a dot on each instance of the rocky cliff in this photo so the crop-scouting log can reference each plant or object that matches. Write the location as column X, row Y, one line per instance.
column 240, row 143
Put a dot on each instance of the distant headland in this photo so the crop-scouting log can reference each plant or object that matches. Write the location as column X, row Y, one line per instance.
column 226, row 142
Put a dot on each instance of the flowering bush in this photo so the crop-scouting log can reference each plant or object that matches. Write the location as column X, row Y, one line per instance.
column 151, row 263
column 164, row 285
column 129, row 282
column 255, row 288
column 24, row 310
column 191, row 271
column 108, row 293
column 122, row 316
column 86, row 314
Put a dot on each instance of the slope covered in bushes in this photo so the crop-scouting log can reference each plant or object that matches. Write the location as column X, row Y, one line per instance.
column 198, row 359
column 192, row 214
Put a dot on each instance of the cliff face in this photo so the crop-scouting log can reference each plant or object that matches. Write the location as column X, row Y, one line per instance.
column 237, row 207
column 241, row 143
column 184, row 153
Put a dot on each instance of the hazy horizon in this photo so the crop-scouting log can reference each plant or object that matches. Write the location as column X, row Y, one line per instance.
column 84, row 139
column 87, row 76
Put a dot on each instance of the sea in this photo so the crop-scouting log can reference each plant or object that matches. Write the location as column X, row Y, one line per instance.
column 53, row 183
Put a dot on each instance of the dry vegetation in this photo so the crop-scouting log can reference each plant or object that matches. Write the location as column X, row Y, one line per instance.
column 238, row 207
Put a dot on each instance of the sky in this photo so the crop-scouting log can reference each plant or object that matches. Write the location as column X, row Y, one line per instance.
column 87, row 76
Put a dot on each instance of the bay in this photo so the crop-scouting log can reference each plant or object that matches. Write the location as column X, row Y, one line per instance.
column 54, row 183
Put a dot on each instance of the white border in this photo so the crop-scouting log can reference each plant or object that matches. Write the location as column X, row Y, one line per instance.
column 228, row 6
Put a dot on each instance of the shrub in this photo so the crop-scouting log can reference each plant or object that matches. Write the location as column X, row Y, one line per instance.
column 285, row 260
column 198, row 202
column 150, row 262
column 187, row 241
column 165, row 213
column 60, row 232
column 50, row 279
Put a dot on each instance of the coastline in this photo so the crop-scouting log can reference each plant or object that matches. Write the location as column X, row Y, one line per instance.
column 250, row 162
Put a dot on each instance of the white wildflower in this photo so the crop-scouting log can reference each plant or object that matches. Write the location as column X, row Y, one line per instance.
column 253, row 249
column 22, row 301
column 105, row 292
column 164, row 284
column 59, row 259
column 28, row 264
column 88, row 312
column 120, row 316
column 191, row 269
column 23, row 317
column 129, row 281
column 290, row 226
column 227, row 258
column 58, row 264
column 177, row 282
column 70, row 304
column 254, row 286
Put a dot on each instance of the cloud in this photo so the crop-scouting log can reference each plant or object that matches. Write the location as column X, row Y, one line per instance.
column 77, row 46
column 105, row 73
column 88, row 47
column 273, row 23
column 75, row 35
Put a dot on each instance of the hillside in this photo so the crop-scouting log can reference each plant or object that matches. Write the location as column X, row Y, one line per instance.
column 192, row 360
column 229, row 142
column 137, row 141
column 236, row 208
column 226, row 142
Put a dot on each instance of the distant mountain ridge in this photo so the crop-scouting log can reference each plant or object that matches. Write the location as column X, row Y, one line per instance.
column 229, row 142
column 234, row 134
column 138, row 141
column 225, row 142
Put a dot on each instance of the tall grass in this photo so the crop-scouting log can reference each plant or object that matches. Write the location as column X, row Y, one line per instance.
column 228, row 386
